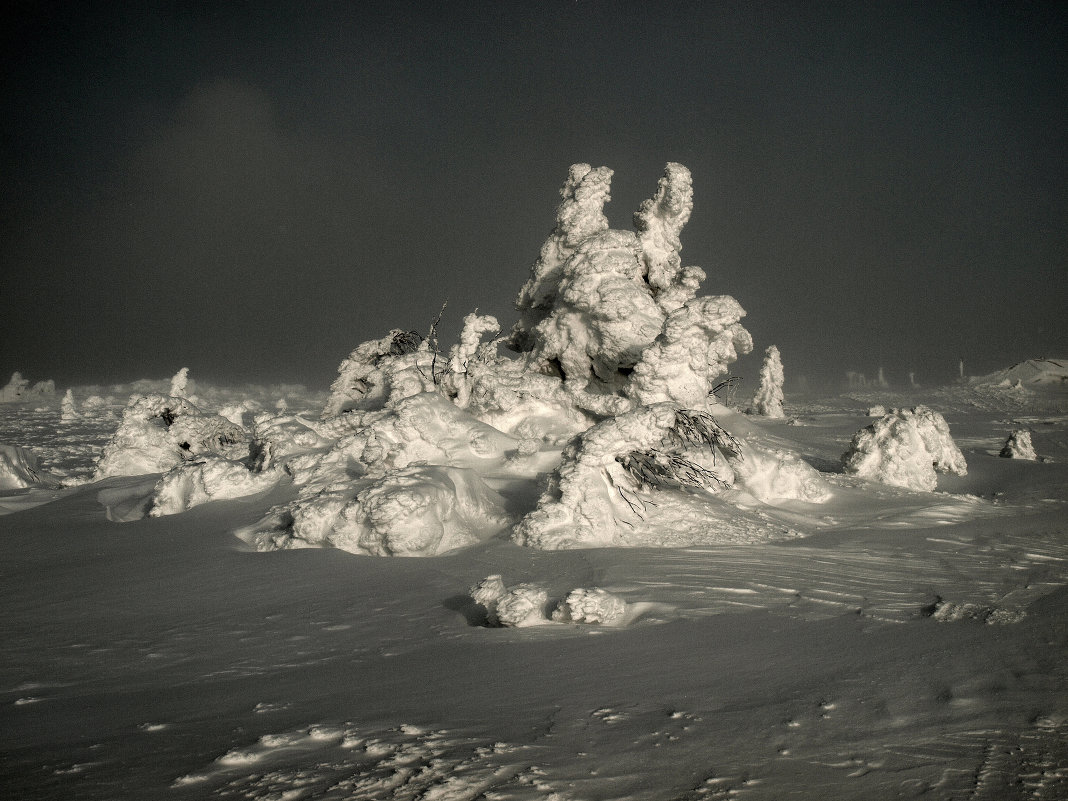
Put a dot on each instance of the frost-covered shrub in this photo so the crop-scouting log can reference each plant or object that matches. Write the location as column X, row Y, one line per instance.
column 158, row 432
column 523, row 605
column 905, row 448
column 19, row 469
column 277, row 438
column 487, row 593
column 398, row 365
column 769, row 398
column 590, row 606
column 1019, row 446
column 208, row 479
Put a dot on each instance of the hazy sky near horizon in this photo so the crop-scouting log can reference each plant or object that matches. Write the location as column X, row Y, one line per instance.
column 253, row 189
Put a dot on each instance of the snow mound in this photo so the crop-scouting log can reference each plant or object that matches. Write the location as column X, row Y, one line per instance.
column 19, row 470
column 610, row 476
column 905, row 448
column 158, row 432
column 523, row 605
column 1019, row 446
column 212, row 478
column 1032, row 372
column 590, row 606
column 419, row 510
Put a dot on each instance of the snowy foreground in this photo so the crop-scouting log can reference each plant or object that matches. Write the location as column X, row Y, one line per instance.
column 580, row 571
column 906, row 644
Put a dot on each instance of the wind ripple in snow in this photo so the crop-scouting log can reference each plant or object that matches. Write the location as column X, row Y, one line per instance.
column 992, row 578
column 406, row 763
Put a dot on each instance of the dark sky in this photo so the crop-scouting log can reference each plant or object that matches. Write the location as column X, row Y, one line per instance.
column 252, row 189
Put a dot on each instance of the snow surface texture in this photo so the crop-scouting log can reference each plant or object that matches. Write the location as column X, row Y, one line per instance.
column 1019, row 446
column 905, row 448
column 769, row 397
column 19, row 469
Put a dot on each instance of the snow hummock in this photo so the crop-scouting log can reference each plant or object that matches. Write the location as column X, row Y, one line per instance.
column 1019, row 446
column 160, row 432
column 1031, row 372
column 593, row 605
column 905, row 448
column 769, row 398
column 529, row 604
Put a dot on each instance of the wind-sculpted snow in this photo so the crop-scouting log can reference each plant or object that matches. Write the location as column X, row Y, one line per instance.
column 19, row 469
column 208, row 479
column 602, row 303
column 403, row 483
column 698, row 341
column 379, row 370
column 905, row 448
column 611, row 477
column 158, row 433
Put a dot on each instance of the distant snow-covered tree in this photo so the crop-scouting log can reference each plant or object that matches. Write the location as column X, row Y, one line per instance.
column 769, row 398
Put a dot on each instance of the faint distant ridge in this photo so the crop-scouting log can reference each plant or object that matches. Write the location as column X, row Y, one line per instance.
column 1030, row 373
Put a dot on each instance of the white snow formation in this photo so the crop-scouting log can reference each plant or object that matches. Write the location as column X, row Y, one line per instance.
column 68, row 409
column 598, row 299
column 19, row 389
column 158, row 433
column 19, row 469
column 1031, row 372
column 905, row 448
column 1019, row 446
column 590, row 606
column 769, row 398
column 417, row 447
column 528, row 604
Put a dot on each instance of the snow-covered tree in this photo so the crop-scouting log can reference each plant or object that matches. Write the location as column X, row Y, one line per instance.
column 768, row 399
column 1019, row 446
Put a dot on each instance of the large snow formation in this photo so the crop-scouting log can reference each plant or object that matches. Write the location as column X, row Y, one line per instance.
column 905, row 448
column 1031, row 372
column 597, row 299
column 618, row 356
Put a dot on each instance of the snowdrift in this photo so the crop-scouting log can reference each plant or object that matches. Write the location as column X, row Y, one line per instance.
column 1028, row 373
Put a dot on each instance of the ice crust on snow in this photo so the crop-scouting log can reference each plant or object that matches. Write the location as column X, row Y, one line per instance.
column 905, row 448
column 769, row 397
